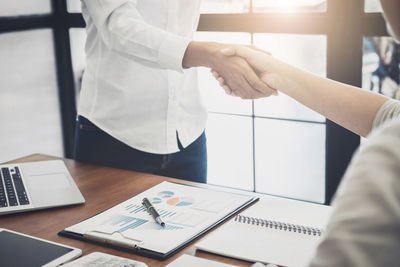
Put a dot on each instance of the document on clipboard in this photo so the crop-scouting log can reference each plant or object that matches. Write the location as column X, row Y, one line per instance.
column 188, row 212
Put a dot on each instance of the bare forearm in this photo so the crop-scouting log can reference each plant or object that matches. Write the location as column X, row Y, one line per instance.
column 200, row 54
column 349, row 106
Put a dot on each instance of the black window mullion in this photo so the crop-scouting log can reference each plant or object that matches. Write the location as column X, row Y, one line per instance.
column 344, row 64
column 22, row 23
column 65, row 76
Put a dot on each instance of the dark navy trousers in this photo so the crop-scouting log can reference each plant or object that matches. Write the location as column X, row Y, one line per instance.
column 93, row 145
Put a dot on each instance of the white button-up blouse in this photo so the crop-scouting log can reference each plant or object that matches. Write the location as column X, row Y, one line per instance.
column 134, row 86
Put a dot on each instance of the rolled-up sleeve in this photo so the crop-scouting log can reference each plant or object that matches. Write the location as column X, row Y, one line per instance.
column 122, row 28
column 388, row 111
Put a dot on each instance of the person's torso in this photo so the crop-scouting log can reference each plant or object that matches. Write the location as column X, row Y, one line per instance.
column 133, row 100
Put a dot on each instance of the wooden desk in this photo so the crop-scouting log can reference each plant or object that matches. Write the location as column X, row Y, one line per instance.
column 102, row 188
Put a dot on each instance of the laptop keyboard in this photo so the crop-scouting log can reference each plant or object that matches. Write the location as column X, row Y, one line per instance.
column 12, row 189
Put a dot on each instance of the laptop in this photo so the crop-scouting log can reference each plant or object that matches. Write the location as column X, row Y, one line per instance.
column 36, row 185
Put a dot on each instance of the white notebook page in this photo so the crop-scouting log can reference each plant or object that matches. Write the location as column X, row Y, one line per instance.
column 259, row 243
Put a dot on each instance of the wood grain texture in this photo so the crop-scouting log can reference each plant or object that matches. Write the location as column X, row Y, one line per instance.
column 102, row 187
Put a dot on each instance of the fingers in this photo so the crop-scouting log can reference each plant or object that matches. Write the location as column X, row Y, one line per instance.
column 243, row 52
column 215, row 74
column 239, row 51
column 228, row 90
column 246, row 91
column 258, row 49
column 238, row 78
column 222, row 83
column 262, row 88
column 239, row 86
column 246, row 84
column 228, row 51
column 271, row 80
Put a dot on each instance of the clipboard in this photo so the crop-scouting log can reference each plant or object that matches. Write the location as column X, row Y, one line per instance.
column 189, row 212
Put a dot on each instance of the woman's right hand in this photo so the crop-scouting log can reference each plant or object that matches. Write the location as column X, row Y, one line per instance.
column 262, row 62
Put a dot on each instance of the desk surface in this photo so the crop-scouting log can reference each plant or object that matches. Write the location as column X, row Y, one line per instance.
column 102, row 188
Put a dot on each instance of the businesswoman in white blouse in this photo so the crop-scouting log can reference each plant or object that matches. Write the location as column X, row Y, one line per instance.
column 139, row 106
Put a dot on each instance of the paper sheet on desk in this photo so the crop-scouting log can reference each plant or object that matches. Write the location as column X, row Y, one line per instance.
column 253, row 242
column 186, row 210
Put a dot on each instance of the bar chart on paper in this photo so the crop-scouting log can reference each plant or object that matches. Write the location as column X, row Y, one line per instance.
column 121, row 223
column 135, row 209
column 179, row 212
column 176, row 217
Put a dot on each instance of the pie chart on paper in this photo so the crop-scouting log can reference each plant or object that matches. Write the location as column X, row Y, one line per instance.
column 180, row 201
column 165, row 194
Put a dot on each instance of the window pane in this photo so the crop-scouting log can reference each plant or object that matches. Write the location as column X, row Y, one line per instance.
column 214, row 96
column 372, row 6
column 224, row 6
column 381, row 71
column 29, row 105
column 290, row 159
column 304, row 51
column 24, row 7
column 74, row 6
column 289, row 5
column 78, row 39
column 230, row 151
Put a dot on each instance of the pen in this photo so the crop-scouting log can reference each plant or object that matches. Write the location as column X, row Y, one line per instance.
column 146, row 203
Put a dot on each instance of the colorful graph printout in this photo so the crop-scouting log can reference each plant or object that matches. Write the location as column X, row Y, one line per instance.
column 187, row 211
column 180, row 201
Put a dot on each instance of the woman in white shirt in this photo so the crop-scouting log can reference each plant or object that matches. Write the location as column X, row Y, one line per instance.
column 139, row 105
column 364, row 229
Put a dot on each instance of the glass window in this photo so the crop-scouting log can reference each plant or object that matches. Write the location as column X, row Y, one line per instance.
column 24, row 7
column 214, row 96
column 289, row 5
column 307, row 52
column 29, row 105
column 74, row 6
column 372, row 6
column 381, row 69
column 230, row 151
column 290, row 159
column 224, row 6
column 78, row 39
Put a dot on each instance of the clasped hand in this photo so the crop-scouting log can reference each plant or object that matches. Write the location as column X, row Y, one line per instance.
column 244, row 72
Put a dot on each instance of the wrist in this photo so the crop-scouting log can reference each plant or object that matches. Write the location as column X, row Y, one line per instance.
column 201, row 54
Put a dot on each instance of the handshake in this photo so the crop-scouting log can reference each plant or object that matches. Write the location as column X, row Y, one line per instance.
column 245, row 72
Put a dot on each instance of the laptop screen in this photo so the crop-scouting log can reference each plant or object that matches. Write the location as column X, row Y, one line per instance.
column 19, row 250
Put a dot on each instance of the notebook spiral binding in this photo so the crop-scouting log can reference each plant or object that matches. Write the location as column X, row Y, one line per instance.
column 279, row 225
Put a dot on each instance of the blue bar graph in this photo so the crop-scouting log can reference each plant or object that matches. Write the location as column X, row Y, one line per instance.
column 133, row 225
column 156, row 226
column 125, row 222
column 132, row 208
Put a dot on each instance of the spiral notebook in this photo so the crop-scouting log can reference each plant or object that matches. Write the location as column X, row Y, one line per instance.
column 274, row 230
